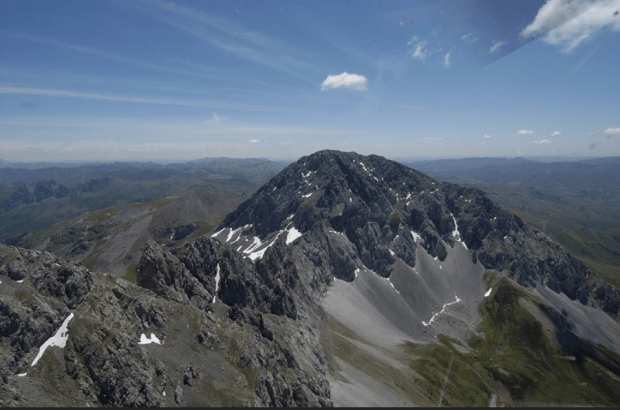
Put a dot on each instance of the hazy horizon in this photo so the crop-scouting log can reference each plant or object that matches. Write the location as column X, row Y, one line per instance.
column 552, row 158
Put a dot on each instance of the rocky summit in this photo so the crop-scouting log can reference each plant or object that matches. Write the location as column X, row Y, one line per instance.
column 344, row 280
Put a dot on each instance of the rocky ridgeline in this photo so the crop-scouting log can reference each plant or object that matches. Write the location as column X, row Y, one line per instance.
column 264, row 344
column 378, row 203
column 41, row 190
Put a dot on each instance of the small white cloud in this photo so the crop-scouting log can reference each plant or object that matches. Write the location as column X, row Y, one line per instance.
column 496, row 46
column 568, row 23
column 525, row 132
column 419, row 48
column 542, row 142
column 352, row 81
column 610, row 131
column 487, row 136
column 254, row 141
column 555, row 133
column 446, row 61
column 419, row 52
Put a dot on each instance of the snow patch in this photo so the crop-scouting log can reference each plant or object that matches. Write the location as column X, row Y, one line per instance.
column 217, row 282
column 230, row 235
column 392, row 252
column 20, row 281
column 415, row 236
column 308, row 195
column 488, row 292
column 145, row 340
column 22, row 374
column 292, row 235
column 254, row 245
column 455, row 233
column 58, row 339
column 218, row 232
column 356, row 272
column 443, row 308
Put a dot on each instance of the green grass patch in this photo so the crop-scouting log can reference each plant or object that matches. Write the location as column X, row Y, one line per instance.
column 515, row 353
column 130, row 274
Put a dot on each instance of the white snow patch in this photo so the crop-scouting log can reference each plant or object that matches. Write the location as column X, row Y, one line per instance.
column 254, row 245
column 350, row 200
column 292, row 235
column 415, row 236
column 230, row 235
column 291, row 216
column 217, row 281
column 307, row 195
column 22, row 374
column 356, row 272
column 392, row 252
column 163, row 393
column 440, row 267
column 145, row 340
column 488, row 292
column 364, row 166
column 58, row 339
column 274, row 188
column 455, row 234
column 408, row 196
column 20, row 281
column 457, row 300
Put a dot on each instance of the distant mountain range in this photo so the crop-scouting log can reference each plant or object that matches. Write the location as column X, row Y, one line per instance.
column 574, row 178
column 344, row 280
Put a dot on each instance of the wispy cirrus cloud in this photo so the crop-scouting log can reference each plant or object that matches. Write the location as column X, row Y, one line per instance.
column 47, row 92
column 446, row 61
column 100, row 53
column 486, row 136
column 229, row 36
column 612, row 131
column 469, row 38
column 525, row 132
column 496, row 46
column 545, row 141
column 555, row 134
column 568, row 23
column 352, row 81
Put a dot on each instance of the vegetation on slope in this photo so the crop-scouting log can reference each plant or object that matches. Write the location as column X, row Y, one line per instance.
column 513, row 358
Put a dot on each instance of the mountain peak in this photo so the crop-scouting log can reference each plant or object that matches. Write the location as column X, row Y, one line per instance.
column 388, row 212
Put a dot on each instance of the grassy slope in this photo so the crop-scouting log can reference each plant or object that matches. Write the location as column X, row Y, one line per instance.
column 514, row 359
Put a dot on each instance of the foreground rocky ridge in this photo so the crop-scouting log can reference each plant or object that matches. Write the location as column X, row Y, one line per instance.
column 261, row 358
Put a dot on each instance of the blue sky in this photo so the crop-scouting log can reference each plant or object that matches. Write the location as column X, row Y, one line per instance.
column 158, row 80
